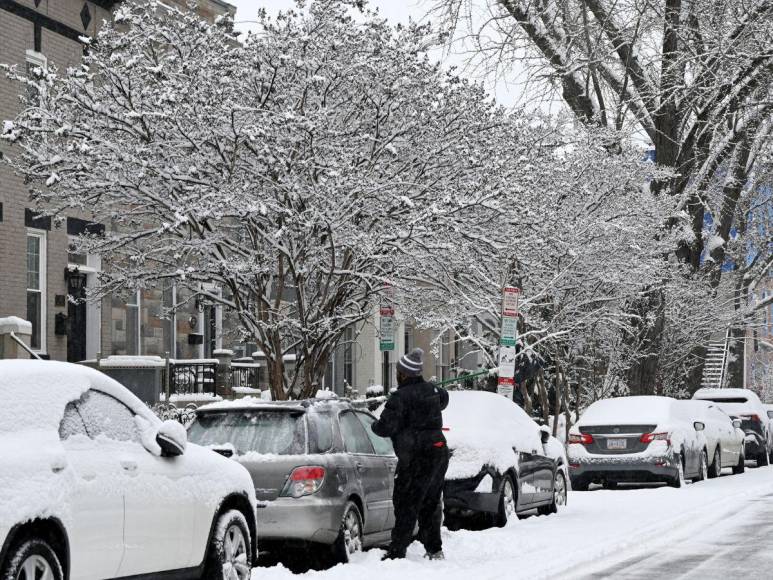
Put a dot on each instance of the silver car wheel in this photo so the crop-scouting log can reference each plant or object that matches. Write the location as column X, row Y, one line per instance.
column 559, row 490
column 508, row 498
column 35, row 568
column 352, row 533
column 235, row 565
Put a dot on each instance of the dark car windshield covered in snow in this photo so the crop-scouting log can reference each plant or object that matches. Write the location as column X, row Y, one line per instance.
column 264, row 431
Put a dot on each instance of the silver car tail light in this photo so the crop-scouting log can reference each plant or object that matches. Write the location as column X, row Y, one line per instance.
column 304, row 481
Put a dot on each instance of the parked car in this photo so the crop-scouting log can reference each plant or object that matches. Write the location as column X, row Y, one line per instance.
column 746, row 406
column 95, row 486
column 326, row 478
column 636, row 440
column 723, row 437
column 502, row 464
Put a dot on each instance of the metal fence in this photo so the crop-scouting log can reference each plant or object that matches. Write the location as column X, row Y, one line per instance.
column 188, row 377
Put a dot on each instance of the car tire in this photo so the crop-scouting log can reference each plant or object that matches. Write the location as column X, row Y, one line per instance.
column 230, row 549
column 679, row 481
column 580, row 485
column 716, row 466
column 507, row 502
column 740, row 467
column 559, row 496
column 30, row 559
column 703, row 469
column 349, row 540
column 762, row 459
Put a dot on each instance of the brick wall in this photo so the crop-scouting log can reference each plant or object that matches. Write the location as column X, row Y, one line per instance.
column 16, row 37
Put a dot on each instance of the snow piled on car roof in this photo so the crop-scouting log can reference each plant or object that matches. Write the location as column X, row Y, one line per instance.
column 483, row 428
column 627, row 411
column 34, row 393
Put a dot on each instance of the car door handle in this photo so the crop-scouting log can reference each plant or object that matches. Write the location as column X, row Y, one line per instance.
column 392, row 467
column 129, row 465
column 360, row 466
column 58, row 465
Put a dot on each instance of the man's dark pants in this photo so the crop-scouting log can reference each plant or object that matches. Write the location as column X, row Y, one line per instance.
column 418, row 488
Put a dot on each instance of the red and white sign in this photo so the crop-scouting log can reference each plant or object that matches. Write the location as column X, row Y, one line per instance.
column 510, row 297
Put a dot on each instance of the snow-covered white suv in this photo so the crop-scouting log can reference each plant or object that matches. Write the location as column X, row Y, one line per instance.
column 93, row 485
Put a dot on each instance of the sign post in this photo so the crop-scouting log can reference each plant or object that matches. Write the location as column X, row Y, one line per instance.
column 507, row 340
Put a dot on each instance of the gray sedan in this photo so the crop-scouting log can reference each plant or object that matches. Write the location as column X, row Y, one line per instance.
column 322, row 473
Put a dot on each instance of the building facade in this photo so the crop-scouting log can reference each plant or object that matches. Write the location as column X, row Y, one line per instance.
column 38, row 269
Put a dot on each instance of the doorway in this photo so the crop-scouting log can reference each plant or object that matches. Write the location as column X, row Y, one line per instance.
column 76, row 317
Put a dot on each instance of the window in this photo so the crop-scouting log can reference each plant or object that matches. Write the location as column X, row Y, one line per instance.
column 104, row 415
column 73, row 256
column 353, row 433
column 133, row 324
column 320, row 425
column 36, row 287
column 408, row 338
column 36, row 67
column 382, row 445
column 72, row 423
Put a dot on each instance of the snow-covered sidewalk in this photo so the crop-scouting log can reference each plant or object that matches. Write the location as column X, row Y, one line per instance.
column 596, row 527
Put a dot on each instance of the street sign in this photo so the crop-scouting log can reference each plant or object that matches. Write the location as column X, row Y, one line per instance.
column 509, row 331
column 510, row 297
column 387, row 330
column 506, row 387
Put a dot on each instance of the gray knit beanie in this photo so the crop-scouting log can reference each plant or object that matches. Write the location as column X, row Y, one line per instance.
column 411, row 364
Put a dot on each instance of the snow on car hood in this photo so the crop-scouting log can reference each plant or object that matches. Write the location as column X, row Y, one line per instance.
column 483, row 429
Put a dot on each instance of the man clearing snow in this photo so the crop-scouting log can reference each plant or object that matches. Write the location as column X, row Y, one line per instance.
column 413, row 419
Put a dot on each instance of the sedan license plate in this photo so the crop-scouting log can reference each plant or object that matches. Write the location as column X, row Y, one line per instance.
column 617, row 443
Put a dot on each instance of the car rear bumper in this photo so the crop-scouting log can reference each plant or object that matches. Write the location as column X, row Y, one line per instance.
column 307, row 519
column 599, row 470
column 753, row 446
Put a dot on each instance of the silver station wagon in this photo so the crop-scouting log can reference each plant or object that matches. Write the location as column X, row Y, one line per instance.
column 324, row 477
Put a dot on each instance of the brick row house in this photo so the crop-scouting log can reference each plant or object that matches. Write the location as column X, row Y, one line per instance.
column 39, row 270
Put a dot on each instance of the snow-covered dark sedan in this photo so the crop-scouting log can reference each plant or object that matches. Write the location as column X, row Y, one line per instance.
column 502, row 463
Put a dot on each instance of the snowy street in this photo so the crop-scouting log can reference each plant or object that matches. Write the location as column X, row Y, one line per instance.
column 706, row 530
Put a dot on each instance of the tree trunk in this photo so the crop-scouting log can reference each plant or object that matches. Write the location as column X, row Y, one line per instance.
column 649, row 318
column 735, row 366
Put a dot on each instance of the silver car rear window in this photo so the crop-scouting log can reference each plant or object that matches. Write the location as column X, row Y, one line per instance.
column 265, row 432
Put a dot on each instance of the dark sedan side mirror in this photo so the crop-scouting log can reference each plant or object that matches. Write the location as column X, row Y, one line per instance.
column 770, row 414
column 737, row 423
column 544, row 435
column 699, row 426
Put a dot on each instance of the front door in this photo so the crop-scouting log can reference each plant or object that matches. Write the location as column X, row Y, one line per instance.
column 528, row 466
column 76, row 318
column 96, row 497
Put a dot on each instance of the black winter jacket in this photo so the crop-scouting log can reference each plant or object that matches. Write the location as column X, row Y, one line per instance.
column 412, row 418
